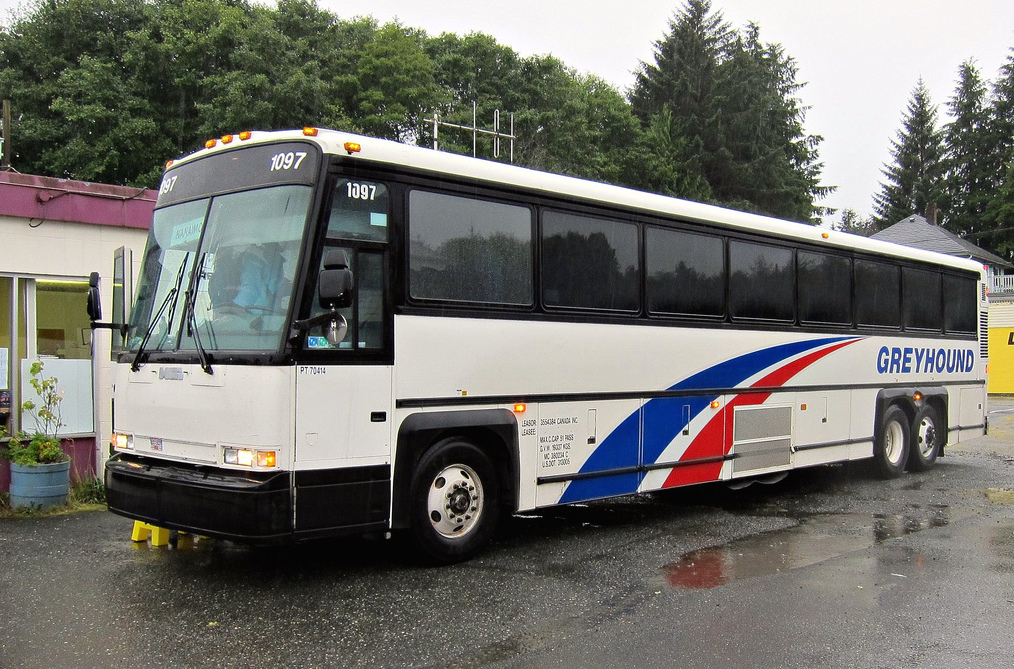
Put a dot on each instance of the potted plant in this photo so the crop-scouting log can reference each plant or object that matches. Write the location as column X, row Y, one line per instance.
column 40, row 470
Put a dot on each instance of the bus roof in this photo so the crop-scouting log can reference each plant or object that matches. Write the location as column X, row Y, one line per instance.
column 395, row 153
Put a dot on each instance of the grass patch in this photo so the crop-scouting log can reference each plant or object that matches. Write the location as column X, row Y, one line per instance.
column 85, row 495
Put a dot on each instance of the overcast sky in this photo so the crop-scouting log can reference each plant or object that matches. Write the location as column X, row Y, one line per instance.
column 860, row 59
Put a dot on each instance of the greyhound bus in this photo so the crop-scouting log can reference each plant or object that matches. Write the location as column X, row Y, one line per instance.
column 336, row 334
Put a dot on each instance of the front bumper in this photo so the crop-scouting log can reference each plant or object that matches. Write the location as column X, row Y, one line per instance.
column 243, row 506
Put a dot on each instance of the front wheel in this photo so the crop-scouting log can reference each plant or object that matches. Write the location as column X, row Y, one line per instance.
column 927, row 439
column 455, row 502
column 891, row 446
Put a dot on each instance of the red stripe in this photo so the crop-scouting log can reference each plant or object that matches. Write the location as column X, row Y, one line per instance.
column 716, row 437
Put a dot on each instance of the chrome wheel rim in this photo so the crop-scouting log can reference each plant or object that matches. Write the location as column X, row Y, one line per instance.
column 926, row 436
column 455, row 500
column 894, row 443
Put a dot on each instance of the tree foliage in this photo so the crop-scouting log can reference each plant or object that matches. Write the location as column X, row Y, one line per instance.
column 915, row 177
column 107, row 90
column 964, row 171
column 733, row 98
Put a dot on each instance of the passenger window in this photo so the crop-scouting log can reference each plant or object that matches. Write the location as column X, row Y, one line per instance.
column 761, row 283
column 825, row 288
column 878, row 294
column 589, row 262
column 686, row 273
column 921, row 295
column 960, row 304
column 468, row 250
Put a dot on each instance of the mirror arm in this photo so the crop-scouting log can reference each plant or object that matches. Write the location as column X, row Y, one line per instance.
column 308, row 323
column 122, row 327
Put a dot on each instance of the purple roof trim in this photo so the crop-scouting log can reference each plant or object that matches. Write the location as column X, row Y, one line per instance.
column 50, row 199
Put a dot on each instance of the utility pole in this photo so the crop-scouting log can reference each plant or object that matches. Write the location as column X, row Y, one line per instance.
column 5, row 139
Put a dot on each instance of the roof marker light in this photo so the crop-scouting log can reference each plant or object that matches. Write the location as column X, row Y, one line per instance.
column 825, row 235
column 245, row 135
column 169, row 164
column 226, row 139
column 353, row 147
column 210, row 144
column 310, row 132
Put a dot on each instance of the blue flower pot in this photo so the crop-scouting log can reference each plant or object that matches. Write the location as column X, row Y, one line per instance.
column 39, row 485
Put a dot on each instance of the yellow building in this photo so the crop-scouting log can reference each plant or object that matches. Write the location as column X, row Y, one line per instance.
column 1001, row 343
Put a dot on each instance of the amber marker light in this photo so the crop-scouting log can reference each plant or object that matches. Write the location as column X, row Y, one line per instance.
column 917, row 397
column 210, row 144
column 353, row 147
column 715, row 404
column 169, row 164
column 520, row 408
column 245, row 135
column 825, row 235
column 226, row 139
column 310, row 132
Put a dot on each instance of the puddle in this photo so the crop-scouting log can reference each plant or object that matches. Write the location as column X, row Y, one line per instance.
column 814, row 540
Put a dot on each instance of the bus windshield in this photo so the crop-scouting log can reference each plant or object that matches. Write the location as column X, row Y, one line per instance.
column 244, row 248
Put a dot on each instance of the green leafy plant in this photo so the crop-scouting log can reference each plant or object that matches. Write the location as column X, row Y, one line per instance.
column 42, row 446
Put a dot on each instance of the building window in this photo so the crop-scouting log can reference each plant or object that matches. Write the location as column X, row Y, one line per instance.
column 45, row 319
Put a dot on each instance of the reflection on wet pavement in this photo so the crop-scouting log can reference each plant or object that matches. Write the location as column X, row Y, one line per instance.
column 815, row 539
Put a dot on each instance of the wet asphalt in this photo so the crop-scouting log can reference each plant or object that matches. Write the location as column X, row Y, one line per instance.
column 828, row 568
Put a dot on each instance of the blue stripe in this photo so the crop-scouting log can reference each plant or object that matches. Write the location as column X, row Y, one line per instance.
column 664, row 419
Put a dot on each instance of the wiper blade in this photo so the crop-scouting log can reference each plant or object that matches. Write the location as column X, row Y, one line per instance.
column 193, row 328
column 170, row 298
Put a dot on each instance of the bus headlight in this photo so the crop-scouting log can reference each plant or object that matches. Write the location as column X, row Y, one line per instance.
column 245, row 457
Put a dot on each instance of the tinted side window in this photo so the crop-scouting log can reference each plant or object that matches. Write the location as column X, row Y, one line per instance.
column 960, row 304
column 760, row 281
column 878, row 294
column 825, row 288
column 469, row 250
column 921, row 299
column 359, row 211
column 686, row 273
column 589, row 262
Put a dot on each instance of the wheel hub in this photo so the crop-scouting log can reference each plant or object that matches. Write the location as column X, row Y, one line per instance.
column 455, row 501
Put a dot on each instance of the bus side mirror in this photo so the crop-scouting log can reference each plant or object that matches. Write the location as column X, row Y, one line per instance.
column 335, row 285
column 94, row 299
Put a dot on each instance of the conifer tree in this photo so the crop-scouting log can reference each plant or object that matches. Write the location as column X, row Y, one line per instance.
column 970, row 176
column 999, row 216
column 731, row 114
column 915, row 176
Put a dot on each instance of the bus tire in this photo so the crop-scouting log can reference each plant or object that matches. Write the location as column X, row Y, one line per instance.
column 891, row 446
column 927, row 439
column 455, row 502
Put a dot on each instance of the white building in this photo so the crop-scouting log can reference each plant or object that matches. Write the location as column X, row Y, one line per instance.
column 53, row 234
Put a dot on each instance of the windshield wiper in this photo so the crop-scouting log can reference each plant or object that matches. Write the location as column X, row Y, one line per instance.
column 193, row 328
column 170, row 298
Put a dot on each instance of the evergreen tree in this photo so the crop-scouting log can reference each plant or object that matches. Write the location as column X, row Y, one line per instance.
column 915, row 177
column 732, row 103
column 852, row 223
column 969, row 182
column 999, row 214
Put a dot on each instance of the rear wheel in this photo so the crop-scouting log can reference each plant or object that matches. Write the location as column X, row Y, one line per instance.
column 455, row 502
column 927, row 439
column 892, row 443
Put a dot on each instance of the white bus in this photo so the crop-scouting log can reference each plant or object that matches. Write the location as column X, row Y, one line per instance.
column 338, row 334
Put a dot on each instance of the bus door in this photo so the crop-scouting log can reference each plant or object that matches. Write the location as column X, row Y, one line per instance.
column 344, row 401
